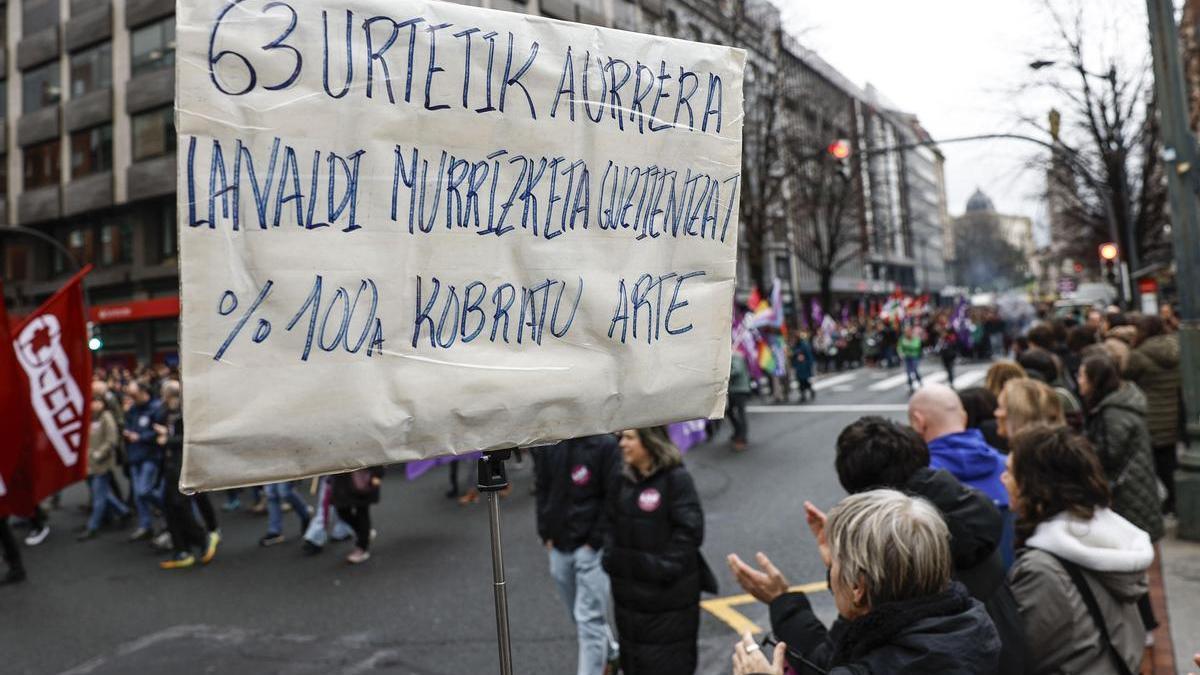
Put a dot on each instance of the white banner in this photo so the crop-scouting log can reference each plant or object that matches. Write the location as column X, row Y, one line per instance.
column 411, row 229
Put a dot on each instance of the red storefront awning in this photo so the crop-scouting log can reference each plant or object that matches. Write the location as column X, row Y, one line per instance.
column 135, row 310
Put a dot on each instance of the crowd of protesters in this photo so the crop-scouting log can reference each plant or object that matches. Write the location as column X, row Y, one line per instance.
column 1005, row 528
column 135, row 459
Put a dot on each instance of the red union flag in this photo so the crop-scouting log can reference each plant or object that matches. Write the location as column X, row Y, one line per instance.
column 15, row 417
column 53, row 375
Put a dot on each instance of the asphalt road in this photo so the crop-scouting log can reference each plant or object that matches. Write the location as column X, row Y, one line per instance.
column 423, row 603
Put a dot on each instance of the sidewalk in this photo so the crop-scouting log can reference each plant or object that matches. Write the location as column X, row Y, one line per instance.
column 1181, row 590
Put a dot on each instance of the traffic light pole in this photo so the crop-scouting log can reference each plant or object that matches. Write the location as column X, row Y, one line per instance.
column 1180, row 157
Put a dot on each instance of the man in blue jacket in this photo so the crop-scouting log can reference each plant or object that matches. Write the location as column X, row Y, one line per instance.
column 937, row 414
column 144, row 456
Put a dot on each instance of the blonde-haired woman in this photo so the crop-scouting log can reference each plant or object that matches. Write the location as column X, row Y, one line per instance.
column 1000, row 373
column 1026, row 402
column 652, row 556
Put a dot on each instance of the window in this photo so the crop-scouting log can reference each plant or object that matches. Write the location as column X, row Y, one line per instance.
column 42, row 165
column 153, row 46
column 153, row 133
column 91, row 151
column 91, row 70
column 16, row 267
column 38, row 15
column 170, row 235
column 81, row 244
column 116, row 243
column 40, row 88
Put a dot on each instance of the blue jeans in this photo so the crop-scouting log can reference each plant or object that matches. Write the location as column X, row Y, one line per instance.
column 912, row 370
column 277, row 493
column 102, row 501
column 145, row 478
column 584, row 588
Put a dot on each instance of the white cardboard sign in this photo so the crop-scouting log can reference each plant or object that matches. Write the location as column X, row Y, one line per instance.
column 412, row 228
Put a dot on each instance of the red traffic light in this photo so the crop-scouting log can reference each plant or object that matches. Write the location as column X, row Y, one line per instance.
column 839, row 149
column 1108, row 251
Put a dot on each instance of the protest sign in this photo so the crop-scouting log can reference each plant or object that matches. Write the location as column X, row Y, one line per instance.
column 410, row 229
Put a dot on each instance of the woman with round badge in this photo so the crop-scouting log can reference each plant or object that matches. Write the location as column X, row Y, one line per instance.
column 652, row 555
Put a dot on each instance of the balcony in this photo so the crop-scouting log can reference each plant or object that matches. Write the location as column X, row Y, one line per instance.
column 39, row 205
column 88, row 110
column 39, row 126
column 150, row 90
column 37, row 48
column 89, row 193
column 151, row 177
column 139, row 12
column 89, row 25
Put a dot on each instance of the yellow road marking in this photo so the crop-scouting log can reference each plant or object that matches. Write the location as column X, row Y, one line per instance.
column 723, row 608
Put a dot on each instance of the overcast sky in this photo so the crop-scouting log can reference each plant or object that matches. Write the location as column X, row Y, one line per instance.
column 956, row 64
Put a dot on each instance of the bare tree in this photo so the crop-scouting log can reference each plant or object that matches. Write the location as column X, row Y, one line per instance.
column 1111, row 146
column 825, row 235
column 762, row 160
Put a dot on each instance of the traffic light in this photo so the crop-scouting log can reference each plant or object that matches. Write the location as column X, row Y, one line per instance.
column 839, row 149
column 1108, row 261
column 95, row 341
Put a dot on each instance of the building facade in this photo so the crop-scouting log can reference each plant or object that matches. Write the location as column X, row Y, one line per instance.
column 89, row 149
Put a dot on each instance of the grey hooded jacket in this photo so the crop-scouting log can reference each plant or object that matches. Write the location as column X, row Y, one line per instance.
column 1061, row 635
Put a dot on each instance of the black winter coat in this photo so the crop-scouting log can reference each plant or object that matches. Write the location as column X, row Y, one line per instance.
column 975, row 526
column 571, row 478
column 1117, row 428
column 652, row 555
column 948, row 633
column 346, row 497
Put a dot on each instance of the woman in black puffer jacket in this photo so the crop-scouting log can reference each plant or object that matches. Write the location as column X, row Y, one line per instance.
column 652, row 555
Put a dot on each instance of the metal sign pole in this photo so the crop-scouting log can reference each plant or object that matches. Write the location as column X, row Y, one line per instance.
column 491, row 480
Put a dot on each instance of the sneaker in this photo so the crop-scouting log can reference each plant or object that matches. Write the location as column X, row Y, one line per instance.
column 310, row 549
column 271, row 540
column 178, row 561
column 260, row 507
column 13, row 576
column 374, row 533
column 37, row 536
column 139, row 534
column 287, row 507
column 210, row 550
column 86, row 535
column 358, row 556
column 231, row 505
column 163, row 541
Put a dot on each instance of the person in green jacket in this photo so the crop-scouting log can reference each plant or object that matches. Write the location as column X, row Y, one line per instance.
column 739, row 392
column 910, row 351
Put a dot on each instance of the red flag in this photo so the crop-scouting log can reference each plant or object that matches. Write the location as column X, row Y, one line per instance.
column 16, row 496
column 55, row 379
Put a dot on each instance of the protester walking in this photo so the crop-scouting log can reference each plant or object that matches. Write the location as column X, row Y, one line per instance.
column 947, row 349
column 802, row 366
column 325, row 524
column 353, row 495
column 889, row 565
column 652, row 555
column 572, row 478
column 1082, row 568
column 739, row 392
column 279, row 494
column 145, row 457
column 103, row 438
column 1154, row 367
column 910, row 351
column 12, row 554
column 188, row 538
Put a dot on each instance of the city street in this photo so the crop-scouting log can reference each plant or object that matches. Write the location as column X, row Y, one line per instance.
column 423, row 603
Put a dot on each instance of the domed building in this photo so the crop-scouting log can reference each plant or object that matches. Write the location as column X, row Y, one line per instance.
column 981, row 215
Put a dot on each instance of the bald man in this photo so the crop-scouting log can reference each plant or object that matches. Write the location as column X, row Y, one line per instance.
column 936, row 413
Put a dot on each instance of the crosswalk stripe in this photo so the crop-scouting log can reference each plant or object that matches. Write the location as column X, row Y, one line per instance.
column 969, row 378
column 890, row 383
column 828, row 382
